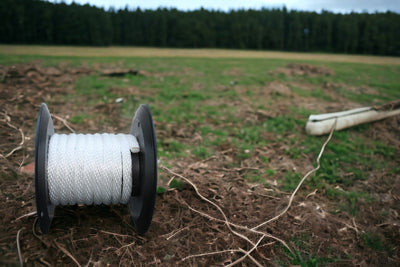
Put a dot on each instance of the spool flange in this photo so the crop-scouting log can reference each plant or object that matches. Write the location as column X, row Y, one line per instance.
column 141, row 205
column 44, row 130
column 144, row 170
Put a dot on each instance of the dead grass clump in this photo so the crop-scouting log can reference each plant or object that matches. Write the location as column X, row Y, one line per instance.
column 294, row 69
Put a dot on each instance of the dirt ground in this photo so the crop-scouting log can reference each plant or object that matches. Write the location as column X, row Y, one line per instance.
column 185, row 225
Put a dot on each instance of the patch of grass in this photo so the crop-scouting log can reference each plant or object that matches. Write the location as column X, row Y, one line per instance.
column 79, row 118
column 347, row 153
column 171, row 149
column 373, row 241
column 282, row 124
column 303, row 257
column 243, row 154
column 362, row 97
column 265, row 159
column 177, row 184
column 384, row 212
column 303, row 112
column 291, row 180
column 100, row 86
column 205, row 130
column 161, row 190
column 270, row 172
column 352, row 199
column 201, row 152
column 317, row 93
column 380, row 78
column 250, row 135
column 255, row 177
column 311, row 260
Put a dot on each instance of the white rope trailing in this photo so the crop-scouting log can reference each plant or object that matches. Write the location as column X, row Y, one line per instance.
column 90, row 168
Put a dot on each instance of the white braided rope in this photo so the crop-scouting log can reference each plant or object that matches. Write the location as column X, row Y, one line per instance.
column 90, row 169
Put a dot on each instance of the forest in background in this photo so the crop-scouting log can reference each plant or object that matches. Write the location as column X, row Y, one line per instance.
column 41, row 22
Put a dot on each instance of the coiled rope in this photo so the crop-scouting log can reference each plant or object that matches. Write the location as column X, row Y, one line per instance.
column 90, row 168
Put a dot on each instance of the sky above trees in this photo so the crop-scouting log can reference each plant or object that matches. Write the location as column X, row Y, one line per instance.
column 337, row 6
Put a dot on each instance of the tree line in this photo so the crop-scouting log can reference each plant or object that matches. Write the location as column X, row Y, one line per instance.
column 41, row 22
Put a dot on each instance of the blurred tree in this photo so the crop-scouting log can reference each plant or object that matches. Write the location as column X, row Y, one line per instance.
column 41, row 22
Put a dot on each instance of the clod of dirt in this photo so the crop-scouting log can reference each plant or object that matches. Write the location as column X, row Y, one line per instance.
column 28, row 169
column 80, row 71
column 51, row 71
column 118, row 72
column 277, row 88
column 294, row 69
column 388, row 106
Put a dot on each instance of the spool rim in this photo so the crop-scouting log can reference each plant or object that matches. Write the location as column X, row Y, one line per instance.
column 141, row 205
column 44, row 130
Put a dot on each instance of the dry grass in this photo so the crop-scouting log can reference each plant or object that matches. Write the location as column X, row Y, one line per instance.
column 193, row 53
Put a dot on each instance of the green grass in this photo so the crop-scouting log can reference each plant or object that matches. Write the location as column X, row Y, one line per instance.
column 371, row 240
column 171, row 149
column 303, row 257
column 79, row 118
column 291, row 180
column 201, row 152
column 317, row 93
column 349, row 201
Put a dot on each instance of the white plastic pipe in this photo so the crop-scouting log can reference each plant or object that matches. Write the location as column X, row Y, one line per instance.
column 322, row 124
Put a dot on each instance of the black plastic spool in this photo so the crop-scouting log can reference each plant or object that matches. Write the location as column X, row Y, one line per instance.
column 144, row 169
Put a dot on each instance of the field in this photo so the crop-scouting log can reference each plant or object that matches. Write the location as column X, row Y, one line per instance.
column 231, row 141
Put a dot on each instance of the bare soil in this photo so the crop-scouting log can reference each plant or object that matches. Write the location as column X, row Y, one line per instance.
column 183, row 224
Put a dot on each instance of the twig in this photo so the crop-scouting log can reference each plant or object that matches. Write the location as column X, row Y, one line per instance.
column 240, row 227
column 127, row 245
column 355, row 225
column 312, row 193
column 177, row 232
column 111, row 233
column 66, row 252
column 42, row 260
column 247, row 253
column 302, row 180
column 208, row 159
column 226, row 221
column 25, row 215
column 64, row 121
column 236, row 169
column 7, row 120
column 263, row 195
column 12, row 151
column 243, row 228
column 211, row 253
column 37, row 236
column 21, row 261
column 170, row 180
column 251, row 257
column 34, row 229
column 387, row 223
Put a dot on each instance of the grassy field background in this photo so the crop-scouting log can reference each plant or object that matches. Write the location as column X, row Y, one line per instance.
column 39, row 50
column 233, row 123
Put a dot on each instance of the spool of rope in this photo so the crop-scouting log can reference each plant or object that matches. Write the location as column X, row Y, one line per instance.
column 96, row 169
